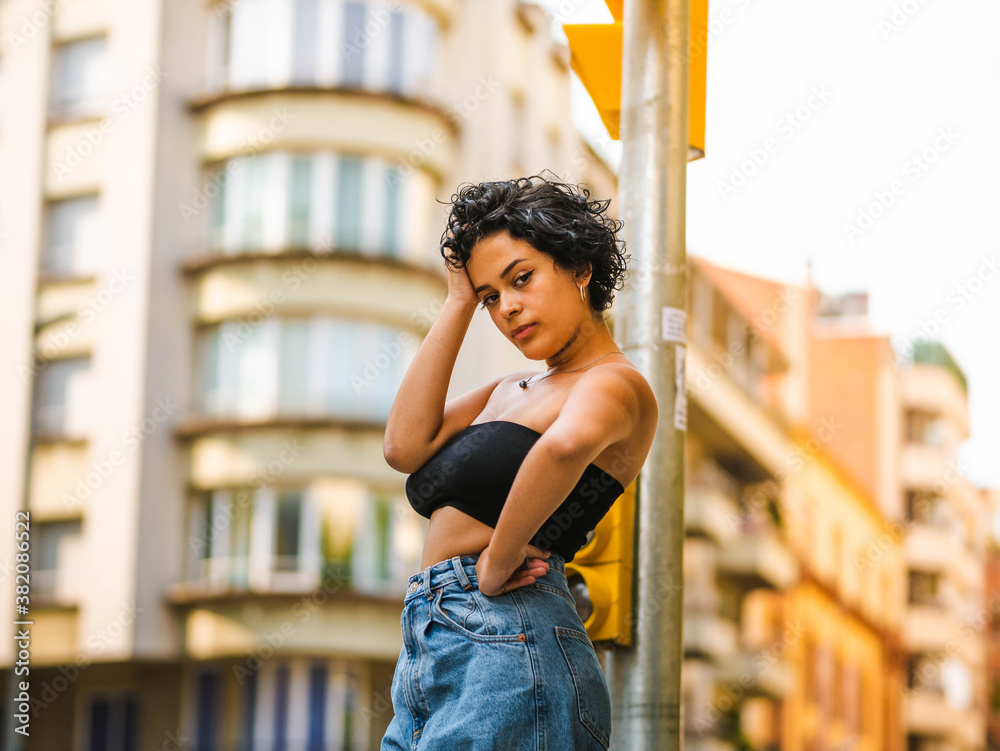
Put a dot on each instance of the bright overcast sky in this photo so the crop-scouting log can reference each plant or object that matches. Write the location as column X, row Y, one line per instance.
column 911, row 102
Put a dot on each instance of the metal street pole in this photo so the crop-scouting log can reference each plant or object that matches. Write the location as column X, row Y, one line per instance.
column 645, row 679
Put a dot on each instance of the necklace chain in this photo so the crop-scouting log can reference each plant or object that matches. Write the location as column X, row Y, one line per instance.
column 524, row 384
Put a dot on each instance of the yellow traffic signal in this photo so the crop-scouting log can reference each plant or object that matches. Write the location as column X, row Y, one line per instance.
column 596, row 57
column 600, row 575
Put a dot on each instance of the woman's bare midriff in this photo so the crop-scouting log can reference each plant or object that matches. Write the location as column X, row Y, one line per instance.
column 451, row 532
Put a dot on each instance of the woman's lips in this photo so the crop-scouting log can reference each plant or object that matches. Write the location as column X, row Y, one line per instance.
column 525, row 331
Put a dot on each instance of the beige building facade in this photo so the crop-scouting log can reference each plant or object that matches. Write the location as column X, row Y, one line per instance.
column 222, row 220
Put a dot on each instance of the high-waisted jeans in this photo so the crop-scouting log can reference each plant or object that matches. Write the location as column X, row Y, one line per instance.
column 513, row 672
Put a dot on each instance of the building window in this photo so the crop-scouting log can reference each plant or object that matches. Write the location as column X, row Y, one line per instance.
column 80, row 78
column 270, row 539
column 318, row 680
column 113, row 722
column 278, row 201
column 314, row 367
column 923, row 588
column 280, row 729
column 73, row 237
column 207, row 710
column 63, row 399
column 925, row 428
column 58, row 559
column 332, row 690
column 260, row 44
column 304, row 40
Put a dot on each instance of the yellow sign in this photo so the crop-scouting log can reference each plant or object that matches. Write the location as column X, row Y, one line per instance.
column 596, row 56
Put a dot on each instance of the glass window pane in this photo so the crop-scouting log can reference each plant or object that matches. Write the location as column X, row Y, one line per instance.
column 304, row 26
column 396, row 48
column 217, row 219
column 382, row 531
column 100, row 711
column 60, row 390
column 252, row 20
column 241, row 508
column 253, row 202
column 390, row 221
column 130, row 726
column 52, row 546
column 317, row 707
column 299, row 198
column 249, row 711
column 73, row 237
column 286, row 537
column 207, row 710
column 349, row 203
column 343, row 350
column 294, row 366
column 354, row 49
column 81, row 76
column 281, row 708
column 255, row 369
column 211, row 383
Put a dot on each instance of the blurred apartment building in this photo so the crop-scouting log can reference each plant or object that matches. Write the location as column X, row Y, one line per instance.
column 992, row 605
column 221, row 232
column 835, row 550
column 792, row 622
column 939, row 520
column 224, row 251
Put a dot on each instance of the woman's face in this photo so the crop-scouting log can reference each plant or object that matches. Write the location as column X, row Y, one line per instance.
column 520, row 285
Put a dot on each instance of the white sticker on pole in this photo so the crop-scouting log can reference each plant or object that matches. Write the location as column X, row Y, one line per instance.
column 680, row 400
column 674, row 325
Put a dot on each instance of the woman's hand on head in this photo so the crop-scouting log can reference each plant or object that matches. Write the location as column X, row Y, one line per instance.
column 493, row 581
column 460, row 286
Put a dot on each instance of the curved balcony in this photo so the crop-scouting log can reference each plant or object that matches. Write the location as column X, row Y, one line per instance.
column 759, row 558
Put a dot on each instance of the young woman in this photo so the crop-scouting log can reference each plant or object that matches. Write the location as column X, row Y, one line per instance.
column 513, row 476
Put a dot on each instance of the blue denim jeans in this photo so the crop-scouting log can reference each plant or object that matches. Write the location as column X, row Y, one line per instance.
column 513, row 672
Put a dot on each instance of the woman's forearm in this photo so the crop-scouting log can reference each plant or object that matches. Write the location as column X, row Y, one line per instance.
column 418, row 409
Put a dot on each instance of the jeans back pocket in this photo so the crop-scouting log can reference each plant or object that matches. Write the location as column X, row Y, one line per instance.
column 465, row 613
column 592, row 696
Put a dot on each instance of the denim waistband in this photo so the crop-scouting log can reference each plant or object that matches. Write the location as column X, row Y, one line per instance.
column 460, row 568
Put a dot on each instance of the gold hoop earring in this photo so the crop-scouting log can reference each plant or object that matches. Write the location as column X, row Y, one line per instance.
column 581, row 295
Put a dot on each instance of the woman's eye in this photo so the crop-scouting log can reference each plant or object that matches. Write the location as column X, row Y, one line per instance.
column 522, row 278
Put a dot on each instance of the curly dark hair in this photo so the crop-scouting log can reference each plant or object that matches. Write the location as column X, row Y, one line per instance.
column 554, row 217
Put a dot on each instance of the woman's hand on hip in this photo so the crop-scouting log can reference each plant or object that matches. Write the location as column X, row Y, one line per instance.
column 495, row 581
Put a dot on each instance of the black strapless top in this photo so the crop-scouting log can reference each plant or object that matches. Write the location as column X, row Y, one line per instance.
column 474, row 472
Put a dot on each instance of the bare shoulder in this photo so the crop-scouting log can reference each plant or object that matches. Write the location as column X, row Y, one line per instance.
column 638, row 386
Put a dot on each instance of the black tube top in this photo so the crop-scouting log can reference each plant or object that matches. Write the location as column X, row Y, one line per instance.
column 474, row 472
